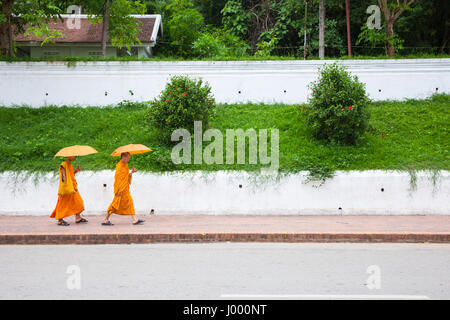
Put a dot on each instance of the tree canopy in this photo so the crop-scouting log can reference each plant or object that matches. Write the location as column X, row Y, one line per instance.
column 256, row 27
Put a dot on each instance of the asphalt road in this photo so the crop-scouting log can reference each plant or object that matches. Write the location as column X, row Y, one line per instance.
column 226, row 271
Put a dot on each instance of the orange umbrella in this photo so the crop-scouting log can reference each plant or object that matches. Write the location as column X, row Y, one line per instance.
column 75, row 151
column 131, row 148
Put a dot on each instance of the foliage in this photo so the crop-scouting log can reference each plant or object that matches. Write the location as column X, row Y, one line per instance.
column 123, row 28
column 278, row 26
column 376, row 38
column 265, row 48
column 334, row 43
column 210, row 10
column 370, row 36
column 235, row 18
column 219, row 43
column 71, row 61
column 337, row 109
column 422, row 29
column 184, row 24
column 36, row 15
column 183, row 101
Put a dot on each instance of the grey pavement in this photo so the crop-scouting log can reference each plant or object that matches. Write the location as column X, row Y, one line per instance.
column 226, row 271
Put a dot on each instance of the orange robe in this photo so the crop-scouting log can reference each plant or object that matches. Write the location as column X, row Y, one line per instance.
column 68, row 204
column 123, row 203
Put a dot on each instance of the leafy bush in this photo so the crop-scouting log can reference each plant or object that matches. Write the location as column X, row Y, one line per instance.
column 183, row 101
column 208, row 45
column 265, row 48
column 376, row 38
column 337, row 109
column 219, row 43
column 185, row 24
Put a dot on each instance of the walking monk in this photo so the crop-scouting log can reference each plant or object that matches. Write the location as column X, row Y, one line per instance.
column 122, row 202
column 69, row 200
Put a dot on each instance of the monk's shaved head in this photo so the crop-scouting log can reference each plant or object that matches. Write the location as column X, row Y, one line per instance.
column 125, row 157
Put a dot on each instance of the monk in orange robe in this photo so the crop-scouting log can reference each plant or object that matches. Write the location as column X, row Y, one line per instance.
column 122, row 203
column 69, row 200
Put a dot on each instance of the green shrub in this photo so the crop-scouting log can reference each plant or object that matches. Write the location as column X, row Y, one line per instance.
column 219, row 43
column 183, row 101
column 236, row 47
column 337, row 110
column 208, row 45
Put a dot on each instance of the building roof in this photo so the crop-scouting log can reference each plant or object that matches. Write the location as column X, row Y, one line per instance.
column 90, row 33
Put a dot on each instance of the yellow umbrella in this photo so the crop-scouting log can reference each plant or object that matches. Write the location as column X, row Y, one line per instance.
column 131, row 148
column 75, row 151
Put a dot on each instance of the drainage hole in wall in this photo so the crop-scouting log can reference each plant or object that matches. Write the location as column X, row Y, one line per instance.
column 239, row 92
column 382, row 189
column 104, row 185
column 46, row 93
column 131, row 92
column 379, row 90
column 106, row 93
column 284, row 91
column 240, row 186
column 340, row 208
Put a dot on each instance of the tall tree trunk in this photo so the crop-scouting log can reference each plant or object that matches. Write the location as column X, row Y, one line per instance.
column 390, row 35
column 391, row 13
column 6, row 30
column 321, row 30
column 304, row 28
column 105, row 30
column 349, row 39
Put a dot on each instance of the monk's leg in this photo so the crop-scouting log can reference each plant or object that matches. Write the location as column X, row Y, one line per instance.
column 78, row 218
column 61, row 222
column 106, row 217
column 135, row 220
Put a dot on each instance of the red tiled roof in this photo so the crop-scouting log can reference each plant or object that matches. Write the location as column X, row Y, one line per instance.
column 89, row 32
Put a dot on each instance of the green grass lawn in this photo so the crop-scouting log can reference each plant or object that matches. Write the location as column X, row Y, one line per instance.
column 416, row 136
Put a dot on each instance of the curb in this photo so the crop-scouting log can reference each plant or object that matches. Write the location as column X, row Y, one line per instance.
column 53, row 239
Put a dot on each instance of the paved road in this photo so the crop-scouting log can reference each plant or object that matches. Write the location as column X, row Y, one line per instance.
column 225, row 270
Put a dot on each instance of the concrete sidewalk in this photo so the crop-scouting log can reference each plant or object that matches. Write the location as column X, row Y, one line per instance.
column 208, row 228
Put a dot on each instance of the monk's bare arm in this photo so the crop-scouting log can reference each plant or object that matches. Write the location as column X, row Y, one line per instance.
column 130, row 175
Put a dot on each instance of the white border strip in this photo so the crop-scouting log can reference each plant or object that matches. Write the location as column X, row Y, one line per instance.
column 327, row 296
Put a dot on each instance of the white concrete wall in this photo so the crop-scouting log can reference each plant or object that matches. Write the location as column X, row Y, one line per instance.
column 101, row 83
column 219, row 193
